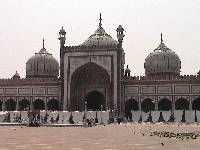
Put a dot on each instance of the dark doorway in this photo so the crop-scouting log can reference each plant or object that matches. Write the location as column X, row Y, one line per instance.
column 23, row 104
column 53, row 105
column 10, row 105
column 196, row 104
column 130, row 104
column 95, row 100
column 182, row 104
column 148, row 105
column 164, row 105
column 1, row 105
column 39, row 105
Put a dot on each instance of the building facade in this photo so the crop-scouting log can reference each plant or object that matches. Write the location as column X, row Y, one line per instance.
column 93, row 74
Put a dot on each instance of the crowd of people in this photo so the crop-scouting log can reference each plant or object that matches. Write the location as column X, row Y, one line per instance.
column 179, row 135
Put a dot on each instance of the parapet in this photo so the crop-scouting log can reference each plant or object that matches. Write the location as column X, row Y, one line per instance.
column 83, row 47
column 169, row 78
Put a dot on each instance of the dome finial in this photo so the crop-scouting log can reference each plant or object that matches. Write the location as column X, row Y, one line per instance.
column 43, row 43
column 100, row 20
column 161, row 38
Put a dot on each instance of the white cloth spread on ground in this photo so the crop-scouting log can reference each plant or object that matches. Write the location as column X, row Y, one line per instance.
column 145, row 116
column 198, row 115
column 178, row 115
column 78, row 116
column 166, row 115
column 3, row 116
column 190, row 116
column 136, row 115
column 155, row 115
column 105, row 116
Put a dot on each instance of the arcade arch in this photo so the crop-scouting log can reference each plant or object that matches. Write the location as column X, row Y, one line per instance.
column 130, row 104
column 164, row 105
column 39, row 104
column 23, row 104
column 182, row 104
column 147, row 105
column 196, row 104
column 53, row 104
column 1, row 103
column 10, row 105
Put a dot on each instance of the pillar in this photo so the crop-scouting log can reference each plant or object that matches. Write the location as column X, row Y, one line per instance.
column 173, row 104
column 139, row 103
column 17, row 104
column 190, row 103
column 156, row 104
column 32, row 104
column 45, row 104
column 3, row 106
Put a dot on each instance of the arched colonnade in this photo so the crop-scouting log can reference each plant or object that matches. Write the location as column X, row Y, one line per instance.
column 23, row 104
column 163, row 104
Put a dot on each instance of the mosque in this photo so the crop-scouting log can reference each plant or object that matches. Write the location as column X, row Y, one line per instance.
column 92, row 74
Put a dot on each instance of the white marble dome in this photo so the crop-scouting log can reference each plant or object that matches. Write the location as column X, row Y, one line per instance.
column 162, row 61
column 100, row 38
column 42, row 65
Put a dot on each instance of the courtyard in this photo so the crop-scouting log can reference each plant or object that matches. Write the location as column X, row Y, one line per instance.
column 108, row 137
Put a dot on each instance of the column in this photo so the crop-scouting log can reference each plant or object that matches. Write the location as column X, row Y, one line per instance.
column 17, row 104
column 139, row 102
column 3, row 105
column 45, row 104
column 190, row 104
column 173, row 103
column 156, row 104
column 31, row 104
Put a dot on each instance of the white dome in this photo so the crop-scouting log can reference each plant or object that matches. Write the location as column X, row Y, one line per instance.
column 99, row 38
column 42, row 65
column 162, row 61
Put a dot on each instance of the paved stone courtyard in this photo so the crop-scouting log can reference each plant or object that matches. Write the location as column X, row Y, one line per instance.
column 109, row 137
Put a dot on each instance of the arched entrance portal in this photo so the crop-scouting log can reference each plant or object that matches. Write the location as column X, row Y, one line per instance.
column 196, row 104
column 130, row 104
column 90, row 76
column 23, row 104
column 10, row 105
column 39, row 105
column 94, row 101
column 164, row 105
column 53, row 105
column 182, row 104
column 148, row 105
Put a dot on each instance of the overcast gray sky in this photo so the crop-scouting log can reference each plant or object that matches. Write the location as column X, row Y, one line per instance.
column 24, row 23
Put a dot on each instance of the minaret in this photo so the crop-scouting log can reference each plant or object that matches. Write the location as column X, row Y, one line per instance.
column 120, row 35
column 62, row 39
column 127, row 72
column 120, row 69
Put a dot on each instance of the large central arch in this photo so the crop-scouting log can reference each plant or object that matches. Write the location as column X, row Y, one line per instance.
column 88, row 75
